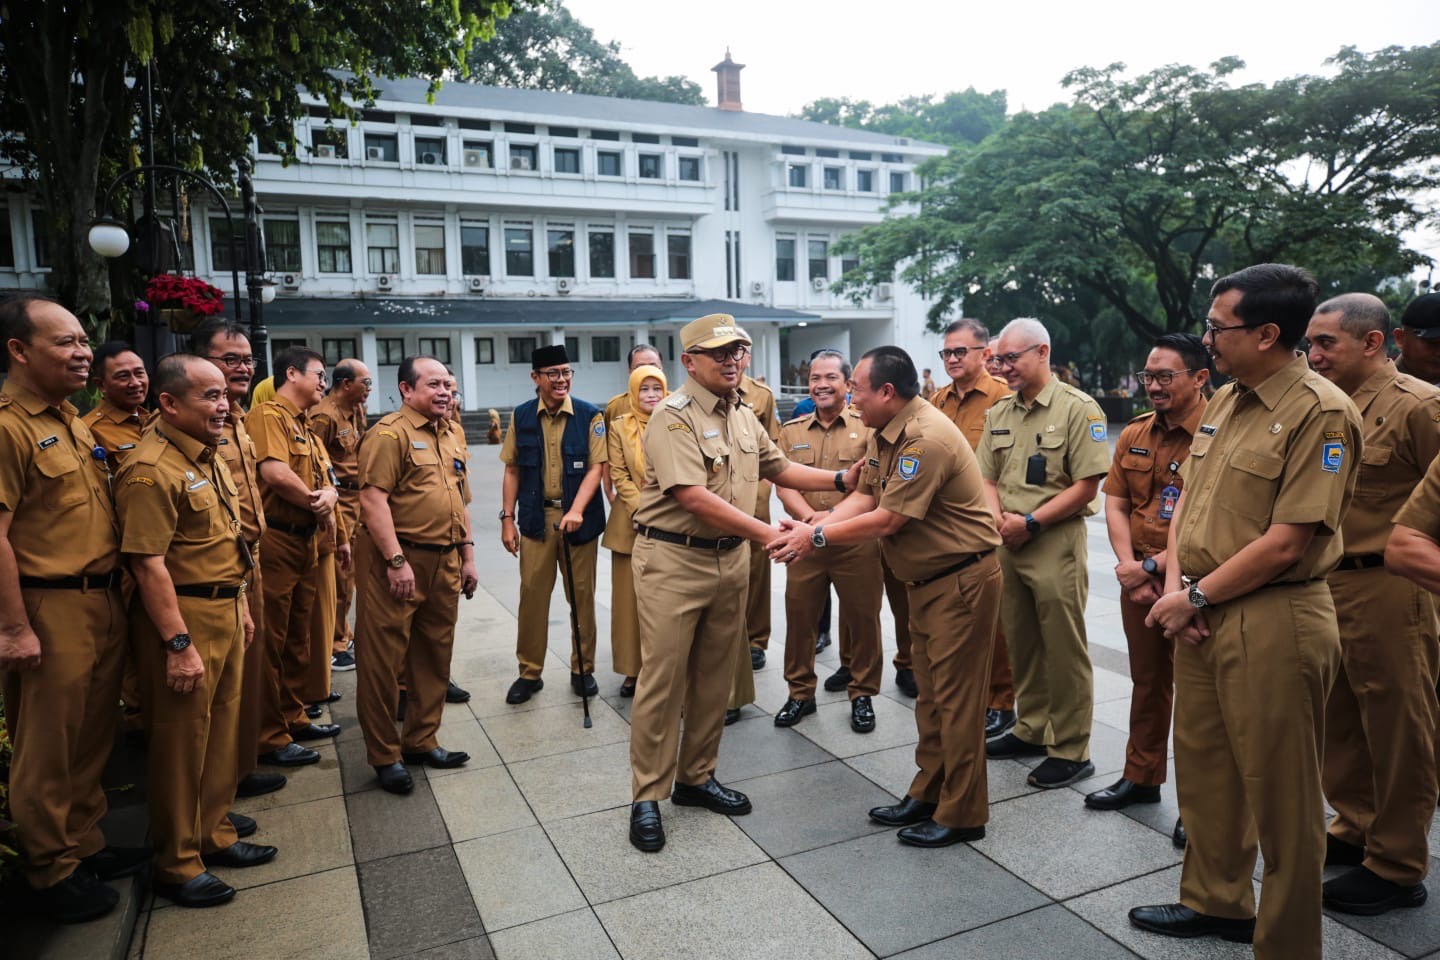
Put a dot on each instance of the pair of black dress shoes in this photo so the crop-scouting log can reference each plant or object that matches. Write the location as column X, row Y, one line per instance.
column 647, row 832
column 919, row 827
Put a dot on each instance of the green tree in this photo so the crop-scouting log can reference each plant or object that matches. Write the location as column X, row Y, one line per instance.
column 546, row 48
column 229, row 70
column 962, row 117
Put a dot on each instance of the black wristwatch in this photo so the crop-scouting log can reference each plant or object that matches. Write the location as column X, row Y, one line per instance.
column 178, row 643
column 1031, row 524
column 506, row 516
column 840, row 480
column 1150, row 566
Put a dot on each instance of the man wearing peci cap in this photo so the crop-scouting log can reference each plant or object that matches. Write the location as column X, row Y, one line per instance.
column 705, row 455
column 553, row 454
column 1418, row 338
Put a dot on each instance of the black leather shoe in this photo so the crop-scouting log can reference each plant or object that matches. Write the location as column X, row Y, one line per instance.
column 1338, row 853
column 244, row 826
column 455, row 694
column 732, row 716
column 905, row 680
column 928, row 833
column 258, row 784
column 290, row 755
column 439, row 758
column 1178, row 920
column 522, row 689
column 712, row 797
column 646, row 831
column 757, row 658
column 1120, row 795
column 206, row 890
column 313, row 711
column 998, row 722
column 586, row 683
column 394, row 778
column 1054, row 773
column 1360, row 891
column 793, row 711
column 1178, row 837
column 331, row 697
column 862, row 715
column 76, row 899
column 400, row 706
column 112, row 863
column 822, row 640
column 627, row 689
column 316, row 731
column 240, row 854
column 838, row 680
column 904, row 813
column 1012, row 746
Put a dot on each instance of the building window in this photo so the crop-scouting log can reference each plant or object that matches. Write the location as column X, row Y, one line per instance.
column 605, row 349
column 690, row 168
column 819, row 259
column 390, row 350
column 865, row 181
column 437, row 347
column 336, row 350
column 645, row 137
column 650, row 166
column 519, row 251
column 849, row 264
column 40, row 228
column 561, row 247
column 474, row 249
column 826, row 152
column 220, row 233
column 685, row 141
column 430, row 249
column 602, row 254
column 784, row 258
column 519, row 127
column 567, row 160
column 897, row 183
column 572, row 349
column 520, row 349
column 430, row 151
column 282, row 245
column 792, row 151
column 892, row 158
column 484, row 349
column 569, row 133
column 608, row 163
column 834, row 178
column 642, row 256
column 382, row 241
column 279, row 345
column 329, row 143
column 382, row 147
column 524, row 156
column 477, row 154
column 677, row 246
column 7, row 245
column 799, row 174
column 332, row 245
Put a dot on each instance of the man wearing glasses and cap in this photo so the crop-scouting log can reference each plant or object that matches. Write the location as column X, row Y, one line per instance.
column 1418, row 338
column 553, row 454
column 705, row 456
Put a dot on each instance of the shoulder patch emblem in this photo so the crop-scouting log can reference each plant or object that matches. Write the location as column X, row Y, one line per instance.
column 600, row 427
column 272, row 413
column 388, row 433
column 678, row 401
column 145, row 480
column 911, row 452
column 679, row 426
column 907, row 466
column 1097, row 432
column 1332, row 455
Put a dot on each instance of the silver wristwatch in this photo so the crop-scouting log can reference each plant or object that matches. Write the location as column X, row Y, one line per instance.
column 817, row 537
column 1198, row 600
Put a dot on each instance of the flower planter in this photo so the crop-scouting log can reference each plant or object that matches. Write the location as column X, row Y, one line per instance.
column 180, row 321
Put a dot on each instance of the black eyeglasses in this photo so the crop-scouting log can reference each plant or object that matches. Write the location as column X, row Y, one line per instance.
column 233, row 360
column 1214, row 329
column 555, row 376
column 736, row 352
column 1010, row 359
column 1162, row 377
column 958, row 353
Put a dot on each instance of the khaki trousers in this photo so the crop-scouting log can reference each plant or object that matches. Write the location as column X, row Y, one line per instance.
column 1249, row 727
column 413, row 636
column 689, row 642
column 1152, row 678
column 1002, row 681
column 624, row 619
column 895, row 593
column 539, row 562
column 316, row 686
column 757, row 598
column 61, row 719
column 289, row 583
column 855, row 572
column 349, row 508
column 1379, row 771
column 191, row 758
column 1043, row 613
column 952, row 621
column 252, row 678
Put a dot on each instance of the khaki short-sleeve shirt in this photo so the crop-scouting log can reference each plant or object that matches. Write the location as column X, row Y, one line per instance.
column 340, row 432
column 616, row 407
column 421, row 465
column 1146, row 471
column 58, row 493
column 969, row 411
column 552, row 430
column 807, row 441
column 238, row 451
column 696, row 439
column 1064, row 425
column 280, row 432
column 1285, row 452
column 1422, row 511
column 115, row 430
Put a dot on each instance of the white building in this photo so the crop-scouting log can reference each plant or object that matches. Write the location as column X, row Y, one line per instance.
column 493, row 220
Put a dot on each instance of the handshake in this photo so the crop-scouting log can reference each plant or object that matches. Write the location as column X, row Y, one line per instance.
column 792, row 541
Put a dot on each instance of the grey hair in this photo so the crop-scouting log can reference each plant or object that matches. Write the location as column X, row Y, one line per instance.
column 1027, row 327
column 1360, row 313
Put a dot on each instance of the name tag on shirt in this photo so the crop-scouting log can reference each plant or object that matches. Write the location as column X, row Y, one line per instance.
column 801, row 446
column 420, row 445
column 49, row 442
column 197, row 484
column 710, row 434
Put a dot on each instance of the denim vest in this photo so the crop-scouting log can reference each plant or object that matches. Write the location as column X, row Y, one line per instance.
column 574, row 453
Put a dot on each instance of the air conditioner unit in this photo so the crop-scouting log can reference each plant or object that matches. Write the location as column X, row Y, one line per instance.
column 818, row 283
column 430, row 157
column 477, row 158
column 290, row 281
column 386, row 281
column 477, row 284
column 326, row 150
column 520, row 162
column 374, row 153
column 883, row 291
column 757, row 288
column 564, row 285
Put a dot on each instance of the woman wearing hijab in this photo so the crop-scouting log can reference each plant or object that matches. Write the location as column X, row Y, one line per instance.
column 627, row 472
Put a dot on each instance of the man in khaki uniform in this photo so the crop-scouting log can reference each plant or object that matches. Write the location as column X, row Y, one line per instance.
column 1269, row 479
column 415, row 557
column 757, row 597
column 966, row 400
column 299, row 500
column 705, row 456
column 922, row 496
column 180, row 532
column 62, row 638
column 553, row 454
column 1042, row 456
column 1379, row 771
column 1418, row 338
column 339, row 422
column 831, row 438
column 120, row 417
column 1413, row 551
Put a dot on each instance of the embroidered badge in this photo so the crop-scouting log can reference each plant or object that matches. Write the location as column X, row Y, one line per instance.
column 145, row 480
column 1168, row 498
column 907, row 466
column 49, row 442
column 1334, row 435
column 599, row 428
column 679, row 426
column 390, row 434
column 1097, row 432
column 1332, row 455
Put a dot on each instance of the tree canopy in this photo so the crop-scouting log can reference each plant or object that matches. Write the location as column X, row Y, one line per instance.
column 962, row 117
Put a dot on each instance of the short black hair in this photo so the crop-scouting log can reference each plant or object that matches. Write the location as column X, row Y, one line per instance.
column 966, row 323
column 893, row 366
column 203, row 336
column 172, row 373
column 1190, row 347
column 107, row 351
column 827, row 353
column 15, row 322
column 1273, row 293
column 630, row 360
column 297, row 357
column 345, row 371
column 407, row 374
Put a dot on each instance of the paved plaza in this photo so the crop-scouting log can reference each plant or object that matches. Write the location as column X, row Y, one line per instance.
column 523, row 854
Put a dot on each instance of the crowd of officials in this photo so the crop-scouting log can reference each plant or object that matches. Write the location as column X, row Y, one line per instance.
column 1275, row 543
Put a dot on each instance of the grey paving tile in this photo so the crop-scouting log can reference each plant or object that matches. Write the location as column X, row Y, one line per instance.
column 1107, row 751
column 829, row 728
column 1110, row 685
column 385, row 824
column 1412, row 932
column 771, row 690
column 1042, row 934
column 416, row 901
column 302, row 784
column 596, row 848
column 1115, row 713
column 478, row 803
column 1157, row 816
column 808, row 808
column 461, row 731
column 551, row 730
column 476, row 948
column 569, row 784
column 721, row 915
column 925, row 895
column 894, row 769
column 756, row 747
column 517, row 877
column 313, row 837
column 570, row 936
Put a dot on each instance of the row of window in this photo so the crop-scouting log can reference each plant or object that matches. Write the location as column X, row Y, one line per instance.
column 794, row 151
column 833, row 178
column 391, row 350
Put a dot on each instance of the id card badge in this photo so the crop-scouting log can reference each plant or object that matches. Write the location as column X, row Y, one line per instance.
column 1035, row 467
column 1168, row 498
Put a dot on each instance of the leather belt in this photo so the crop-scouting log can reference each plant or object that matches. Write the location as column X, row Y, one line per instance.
column 290, row 528
column 209, row 591
column 968, row 561
column 554, row 504
column 430, row 547
column 89, row 581
column 685, row 540
column 347, row 484
column 1362, row 561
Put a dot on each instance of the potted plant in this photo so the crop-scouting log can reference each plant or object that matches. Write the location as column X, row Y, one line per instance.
column 183, row 301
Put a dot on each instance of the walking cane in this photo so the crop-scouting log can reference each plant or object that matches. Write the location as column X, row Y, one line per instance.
column 574, row 622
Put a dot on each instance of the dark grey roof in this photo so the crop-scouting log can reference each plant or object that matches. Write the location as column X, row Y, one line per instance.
column 649, row 113
column 500, row 312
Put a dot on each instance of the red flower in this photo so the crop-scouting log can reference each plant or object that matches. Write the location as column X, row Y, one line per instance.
column 168, row 290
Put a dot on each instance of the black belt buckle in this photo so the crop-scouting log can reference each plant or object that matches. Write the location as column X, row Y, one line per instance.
column 554, row 504
column 85, row 582
column 430, row 547
column 209, row 591
column 971, row 559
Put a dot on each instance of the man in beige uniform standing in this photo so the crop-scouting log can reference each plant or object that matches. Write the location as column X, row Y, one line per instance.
column 339, row 422
column 705, row 456
column 1379, row 771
